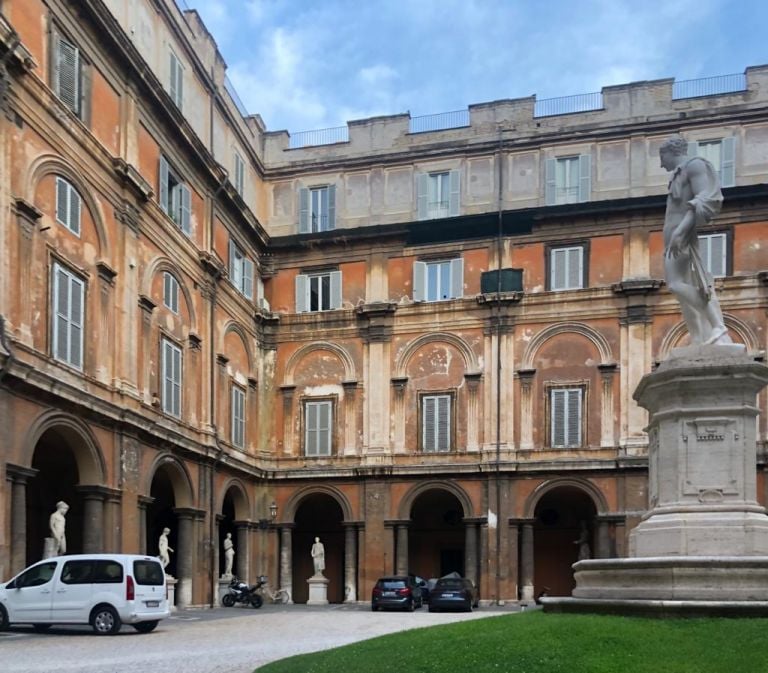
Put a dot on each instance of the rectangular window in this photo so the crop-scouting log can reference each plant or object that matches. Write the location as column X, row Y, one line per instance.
column 438, row 280
column 318, row 291
column 721, row 154
column 317, row 209
column 437, row 194
column 240, row 270
column 176, row 79
column 436, row 423
column 77, row 572
column 170, row 292
column 171, row 366
column 67, row 74
column 68, row 308
column 175, row 197
column 238, row 416
column 713, row 251
column 67, row 206
column 568, row 179
column 239, row 175
column 566, row 268
column 107, row 572
column 566, row 417
column 318, row 417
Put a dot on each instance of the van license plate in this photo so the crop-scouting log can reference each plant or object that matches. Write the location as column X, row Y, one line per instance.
column 153, row 604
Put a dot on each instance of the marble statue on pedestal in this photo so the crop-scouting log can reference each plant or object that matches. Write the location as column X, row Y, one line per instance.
column 163, row 549
column 318, row 556
column 229, row 555
column 58, row 525
column 583, row 542
column 694, row 199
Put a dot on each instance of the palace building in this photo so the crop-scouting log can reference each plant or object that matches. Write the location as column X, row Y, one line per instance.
column 416, row 338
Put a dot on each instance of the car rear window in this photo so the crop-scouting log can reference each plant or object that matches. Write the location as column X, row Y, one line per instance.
column 148, row 573
column 450, row 584
column 391, row 584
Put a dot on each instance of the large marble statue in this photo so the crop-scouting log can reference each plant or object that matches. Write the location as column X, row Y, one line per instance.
column 318, row 556
column 583, row 542
column 163, row 549
column 694, row 199
column 58, row 526
column 229, row 555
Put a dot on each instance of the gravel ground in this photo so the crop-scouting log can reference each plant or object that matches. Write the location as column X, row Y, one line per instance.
column 210, row 641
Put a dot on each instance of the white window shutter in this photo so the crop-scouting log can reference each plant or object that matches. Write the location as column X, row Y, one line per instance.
column 62, row 205
column 324, row 429
column 61, row 314
column 693, row 149
column 76, row 322
column 74, row 210
column 585, row 177
column 304, row 210
column 301, row 293
column 331, row 206
column 455, row 193
column 68, row 84
column 232, row 262
column 575, row 267
column 728, row 165
column 163, row 191
column 550, row 192
column 335, row 289
column 429, row 423
column 185, row 213
column 419, row 281
column 557, row 270
column 558, row 399
column 248, row 278
column 457, row 277
column 574, row 417
column 443, row 423
column 177, row 381
column 422, row 189
column 713, row 254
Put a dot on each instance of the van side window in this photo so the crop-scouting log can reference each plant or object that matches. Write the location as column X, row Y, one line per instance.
column 148, row 573
column 107, row 572
column 77, row 572
column 37, row 576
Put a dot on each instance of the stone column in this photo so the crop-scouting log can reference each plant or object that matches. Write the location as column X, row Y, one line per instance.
column 349, row 439
column 401, row 534
column 288, row 419
column 473, row 424
column 399, row 386
column 93, row 519
column 184, row 551
column 603, row 548
column 112, row 523
column 143, row 501
column 350, row 562
column 18, row 476
column 242, row 550
column 526, row 408
column 148, row 389
column 526, row 571
column 470, row 550
column 607, row 372
column 286, row 558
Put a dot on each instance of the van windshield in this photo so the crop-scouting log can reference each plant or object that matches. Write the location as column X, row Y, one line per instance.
column 148, row 573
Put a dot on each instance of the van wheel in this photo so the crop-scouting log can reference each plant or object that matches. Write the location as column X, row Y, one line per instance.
column 105, row 620
column 41, row 628
column 146, row 627
column 3, row 619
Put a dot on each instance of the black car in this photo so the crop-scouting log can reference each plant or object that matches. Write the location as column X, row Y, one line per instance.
column 424, row 586
column 453, row 593
column 396, row 591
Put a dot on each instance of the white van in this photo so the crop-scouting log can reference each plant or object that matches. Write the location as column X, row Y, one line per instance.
column 103, row 590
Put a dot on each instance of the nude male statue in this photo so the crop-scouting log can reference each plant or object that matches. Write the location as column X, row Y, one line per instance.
column 58, row 524
column 694, row 199
column 163, row 548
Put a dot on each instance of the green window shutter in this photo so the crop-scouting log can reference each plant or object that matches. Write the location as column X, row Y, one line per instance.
column 331, row 206
column 68, row 75
column 185, row 212
column 248, row 278
column 419, row 281
column 301, row 293
column 728, row 165
column 455, row 193
column 335, row 289
column 585, row 177
column 304, row 210
column 457, row 277
column 163, row 185
column 550, row 193
column 422, row 191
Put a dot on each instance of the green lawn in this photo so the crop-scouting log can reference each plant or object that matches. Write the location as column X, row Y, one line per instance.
column 537, row 643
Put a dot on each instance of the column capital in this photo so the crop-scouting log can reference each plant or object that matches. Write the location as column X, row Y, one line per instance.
column 475, row 520
column 244, row 523
column 390, row 523
column 144, row 501
column 98, row 492
column 353, row 524
column 287, row 525
column 18, row 473
column 521, row 522
column 189, row 512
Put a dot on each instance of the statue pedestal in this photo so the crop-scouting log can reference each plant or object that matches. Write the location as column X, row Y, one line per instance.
column 170, row 583
column 318, row 590
column 50, row 548
column 703, row 545
column 224, row 581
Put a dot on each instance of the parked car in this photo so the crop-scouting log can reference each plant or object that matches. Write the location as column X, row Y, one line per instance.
column 451, row 593
column 397, row 591
column 103, row 590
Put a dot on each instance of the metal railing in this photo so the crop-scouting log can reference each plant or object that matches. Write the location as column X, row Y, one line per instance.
column 709, row 86
column 338, row 134
column 584, row 102
column 230, row 88
column 439, row 122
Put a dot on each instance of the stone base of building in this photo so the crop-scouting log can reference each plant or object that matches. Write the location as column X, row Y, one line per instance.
column 683, row 585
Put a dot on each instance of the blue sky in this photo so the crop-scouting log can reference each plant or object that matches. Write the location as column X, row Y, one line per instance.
column 312, row 64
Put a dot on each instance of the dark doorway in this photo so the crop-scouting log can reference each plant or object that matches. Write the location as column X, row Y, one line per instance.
column 160, row 515
column 436, row 535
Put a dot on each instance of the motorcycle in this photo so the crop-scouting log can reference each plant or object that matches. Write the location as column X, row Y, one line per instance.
column 240, row 592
